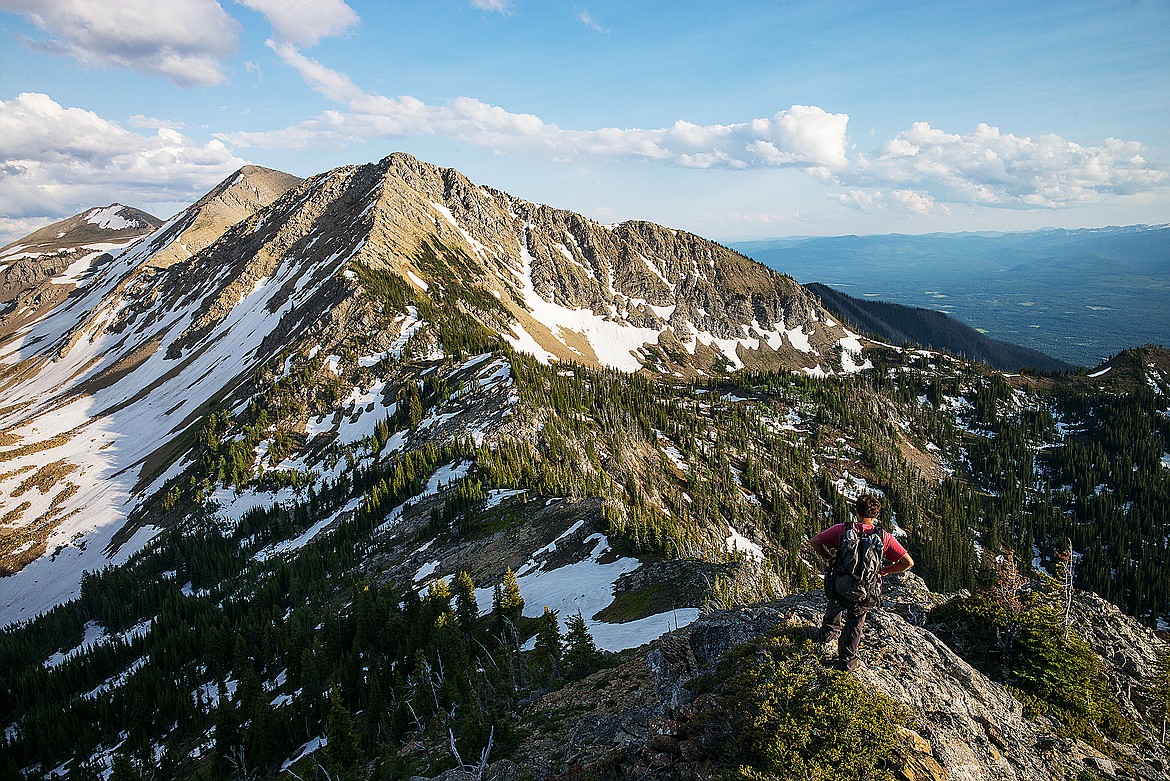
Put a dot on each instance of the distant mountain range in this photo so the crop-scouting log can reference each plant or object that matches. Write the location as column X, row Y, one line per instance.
column 901, row 324
column 1078, row 295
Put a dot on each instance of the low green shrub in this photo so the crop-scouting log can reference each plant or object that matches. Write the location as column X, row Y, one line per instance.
column 783, row 714
column 1026, row 650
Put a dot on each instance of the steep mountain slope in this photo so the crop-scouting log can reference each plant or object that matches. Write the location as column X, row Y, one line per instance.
column 900, row 324
column 85, row 404
column 347, row 451
column 39, row 271
column 249, row 190
column 101, row 394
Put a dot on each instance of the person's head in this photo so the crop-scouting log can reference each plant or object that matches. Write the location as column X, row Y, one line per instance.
column 868, row 506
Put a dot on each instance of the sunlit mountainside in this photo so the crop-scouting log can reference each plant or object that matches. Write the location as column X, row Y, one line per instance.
column 385, row 473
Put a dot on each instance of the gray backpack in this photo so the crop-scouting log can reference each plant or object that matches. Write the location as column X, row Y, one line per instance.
column 855, row 579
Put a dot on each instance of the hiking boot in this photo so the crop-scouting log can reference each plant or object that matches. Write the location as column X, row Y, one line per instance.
column 828, row 636
column 849, row 666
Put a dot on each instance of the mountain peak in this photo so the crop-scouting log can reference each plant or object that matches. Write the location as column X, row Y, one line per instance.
column 237, row 197
column 38, row 271
column 112, row 223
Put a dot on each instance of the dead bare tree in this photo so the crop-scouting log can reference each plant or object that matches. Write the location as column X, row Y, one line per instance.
column 240, row 771
column 476, row 771
column 1066, row 570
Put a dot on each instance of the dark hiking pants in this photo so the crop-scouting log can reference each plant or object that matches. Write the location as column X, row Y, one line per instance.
column 845, row 625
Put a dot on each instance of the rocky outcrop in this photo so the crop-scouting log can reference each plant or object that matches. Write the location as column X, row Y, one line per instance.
column 643, row 719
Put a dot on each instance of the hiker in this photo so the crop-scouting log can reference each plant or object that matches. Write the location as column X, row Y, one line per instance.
column 857, row 554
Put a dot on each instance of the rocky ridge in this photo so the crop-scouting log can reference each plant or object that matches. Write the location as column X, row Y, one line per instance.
column 643, row 718
column 628, row 295
column 267, row 264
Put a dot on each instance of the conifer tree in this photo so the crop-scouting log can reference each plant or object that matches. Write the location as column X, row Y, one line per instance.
column 546, row 657
column 123, row 769
column 342, row 750
column 466, row 608
column 511, row 603
column 439, row 600
column 581, row 654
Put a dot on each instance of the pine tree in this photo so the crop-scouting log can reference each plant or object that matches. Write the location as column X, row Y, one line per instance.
column 123, row 769
column 342, row 749
column 511, row 603
column 581, row 654
column 546, row 657
column 466, row 608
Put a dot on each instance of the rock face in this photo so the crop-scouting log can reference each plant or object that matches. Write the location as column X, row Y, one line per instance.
column 267, row 264
column 640, row 719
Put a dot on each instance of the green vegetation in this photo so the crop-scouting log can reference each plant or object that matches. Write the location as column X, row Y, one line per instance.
column 1020, row 641
column 673, row 464
column 784, row 714
column 648, row 600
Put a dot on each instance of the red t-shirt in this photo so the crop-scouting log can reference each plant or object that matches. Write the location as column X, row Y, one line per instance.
column 831, row 538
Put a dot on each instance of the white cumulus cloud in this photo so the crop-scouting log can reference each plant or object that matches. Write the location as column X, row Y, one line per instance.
column 141, row 120
column 992, row 168
column 183, row 40
column 907, row 201
column 58, row 161
column 798, row 137
column 305, row 22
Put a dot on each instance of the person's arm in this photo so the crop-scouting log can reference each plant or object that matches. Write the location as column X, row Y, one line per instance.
column 901, row 565
column 821, row 550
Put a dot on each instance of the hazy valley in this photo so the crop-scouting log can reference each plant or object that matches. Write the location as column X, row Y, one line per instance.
column 1077, row 295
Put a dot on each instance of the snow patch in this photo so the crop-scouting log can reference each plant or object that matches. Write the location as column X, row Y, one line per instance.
column 737, row 542
column 95, row 636
column 305, row 750
column 852, row 486
column 300, row 541
column 497, row 496
column 109, row 219
column 416, row 279
column 587, row 586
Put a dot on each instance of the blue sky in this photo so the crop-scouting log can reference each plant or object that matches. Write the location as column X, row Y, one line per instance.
column 735, row 120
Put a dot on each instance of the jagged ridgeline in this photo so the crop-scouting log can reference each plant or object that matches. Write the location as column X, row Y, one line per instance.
column 292, row 479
